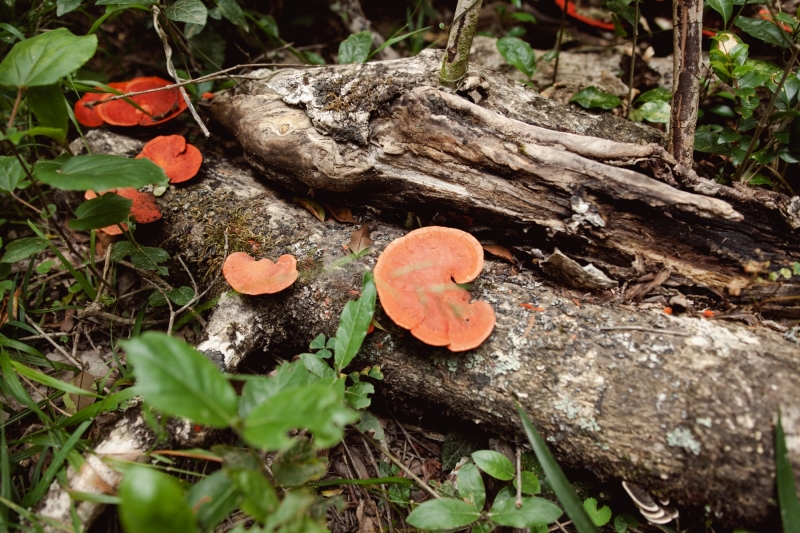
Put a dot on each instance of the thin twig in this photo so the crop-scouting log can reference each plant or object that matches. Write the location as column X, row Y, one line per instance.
column 51, row 341
column 560, row 37
column 421, row 484
column 15, row 108
column 518, row 501
column 634, row 47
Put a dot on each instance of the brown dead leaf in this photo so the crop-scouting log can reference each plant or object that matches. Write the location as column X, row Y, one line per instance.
column 69, row 320
column 359, row 239
column 341, row 214
column 499, row 251
column 312, row 207
column 377, row 325
column 73, row 402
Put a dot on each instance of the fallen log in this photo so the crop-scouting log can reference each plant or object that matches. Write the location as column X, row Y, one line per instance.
column 681, row 405
column 377, row 134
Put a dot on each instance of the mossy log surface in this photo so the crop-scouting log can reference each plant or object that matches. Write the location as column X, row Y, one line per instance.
column 376, row 134
column 682, row 405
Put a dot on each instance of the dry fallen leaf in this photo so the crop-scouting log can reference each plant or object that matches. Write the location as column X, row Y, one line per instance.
column 313, row 207
column 341, row 214
column 74, row 403
column 359, row 239
column 499, row 251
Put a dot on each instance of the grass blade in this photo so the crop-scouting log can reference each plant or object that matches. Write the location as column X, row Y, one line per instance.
column 555, row 476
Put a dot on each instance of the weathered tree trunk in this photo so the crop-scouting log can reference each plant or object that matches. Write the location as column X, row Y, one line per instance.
column 687, row 16
column 376, row 134
column 682, row 405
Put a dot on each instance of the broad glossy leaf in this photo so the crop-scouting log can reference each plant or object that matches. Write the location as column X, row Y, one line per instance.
column 556, row 478
column 764, row 30
column 592, row 97
column 354, row 323
column 213, row 498
column 148, row 258
column 233, row 12
column 723, row 7
column 153, row 502
column 46, row 58
column 787, row 492
column 257, row 390
column 178, row 380
column 66, row 6
column 656, row 112
column 659, row 94
column 533, row 510
column 530, row 483
column 316, row 365
column 443, row 513
column 355, row 49
column 518, row 54
column 100, row 212
column 319, row 407
column 191, row 11
column 20, row 249
column 495, row 464
column 49, row 106
column 470, row 485
column 601, row 516
column 103, row 172
column 11, row 173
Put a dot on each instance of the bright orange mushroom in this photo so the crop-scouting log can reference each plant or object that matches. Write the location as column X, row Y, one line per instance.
column 156, row 107
column 417, row 276
column 248, row 276
column 179, row 159
column 87, row 114
column 144, row 208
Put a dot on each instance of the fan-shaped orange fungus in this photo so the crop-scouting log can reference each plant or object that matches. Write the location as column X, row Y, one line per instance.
column 156, row 107
column 144, row 208
column 179, row 159
column 85, row 110
column 248, row 276
column 416, row 277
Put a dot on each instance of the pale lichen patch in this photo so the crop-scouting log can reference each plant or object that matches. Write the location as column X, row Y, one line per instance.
column 683, row 438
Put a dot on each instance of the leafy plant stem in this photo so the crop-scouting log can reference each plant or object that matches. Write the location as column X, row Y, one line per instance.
column 15, row 108
column 560, row 38
column 634, row 40
column 421, row 484
column 762, row 123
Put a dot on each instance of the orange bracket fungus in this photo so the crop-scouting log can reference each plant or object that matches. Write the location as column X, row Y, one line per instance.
column 179, row 159
column 417, row 276
column 248, row 276
column 156, row 107
column 85, row 108
column 144, row 208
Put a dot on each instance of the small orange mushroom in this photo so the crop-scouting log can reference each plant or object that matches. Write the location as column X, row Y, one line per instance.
column 144, row 208
column 248, row 276
column 179, row 159
column 417, row 276
column 85, row 111
column 156, row 107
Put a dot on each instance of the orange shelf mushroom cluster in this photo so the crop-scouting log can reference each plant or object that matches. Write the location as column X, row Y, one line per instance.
column 92, row 110
column 179, row 159
column 248, row 276
column 144, row 208
column 417, row 279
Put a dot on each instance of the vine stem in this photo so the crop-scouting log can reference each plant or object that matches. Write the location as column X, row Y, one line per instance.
column 15, row 108
column 633, row 60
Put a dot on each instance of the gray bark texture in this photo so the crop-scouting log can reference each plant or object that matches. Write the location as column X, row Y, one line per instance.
column 682, row 405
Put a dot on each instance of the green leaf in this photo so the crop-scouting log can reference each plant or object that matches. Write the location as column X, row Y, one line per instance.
column 257, row 391
column 213, row 498
column 318, row 343
column 470, row 485
column 708, row 141
column 298, row 464
column 246, row 471
column 523, row 16
column 600, row 516
column 591, row 97
column 533, row 510
column 355, row 49
column 103, row 172
column 357, row 395
column 54, row 133
column 231, row 11
column 656, row 112
column 153, row 502
column 495, row 464
column 314, row 364
column 49, row 106
column 20, row 249
column 443, row 513
column 370, row 423
column 530, row 483
column 190, row 11
column 723, row 7
column 100, row 212
column 624, row 521
column 764, row 30
column 148, row 258
column 124, row 2
column 66, row 6
column 354, row 323
column 49, row 381
column 178, row 380
column 11, row 173
column 518, row 54
column 46, row 58
column 556, row 478
column 319, row 407
column 659, row 94
column 181, row 295
column 787, row 491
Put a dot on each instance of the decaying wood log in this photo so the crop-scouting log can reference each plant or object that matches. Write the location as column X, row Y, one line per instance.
column 377, row 134
column 679, row 404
